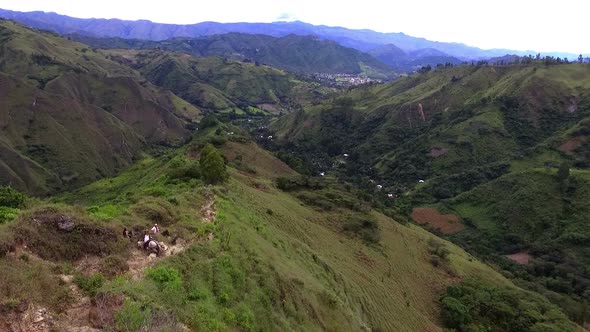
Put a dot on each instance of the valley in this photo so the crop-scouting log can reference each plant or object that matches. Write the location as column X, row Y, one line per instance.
column 452, row 198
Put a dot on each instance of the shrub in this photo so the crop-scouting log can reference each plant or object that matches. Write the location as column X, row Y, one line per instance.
column 156, row 210
column 133, row 317
column 8, row 213
column 10, row 197
column 91, row 284
column 299, row 182
column 165, row 277
column 363, row 226
column 30, row 281
column 208, row 121
column 212, row 165
column 113, row 265
column 184, row 169
column 439, row 252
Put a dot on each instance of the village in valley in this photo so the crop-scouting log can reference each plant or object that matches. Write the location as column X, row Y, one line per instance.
column 342, row 80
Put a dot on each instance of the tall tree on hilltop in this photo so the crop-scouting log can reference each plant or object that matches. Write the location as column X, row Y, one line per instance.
column 212, row 165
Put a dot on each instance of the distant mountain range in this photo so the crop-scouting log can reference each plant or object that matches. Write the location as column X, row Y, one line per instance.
column 298, row 54
column 363, row 40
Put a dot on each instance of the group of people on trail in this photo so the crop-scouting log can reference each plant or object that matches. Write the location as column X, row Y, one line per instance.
column 146, row 235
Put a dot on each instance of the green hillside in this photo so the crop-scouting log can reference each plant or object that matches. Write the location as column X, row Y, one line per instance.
column 305, row 221
column 296, row 54
column 65, row 107
column 541, row 217
column 266, row 260
column 480, row 144
column 450, row 121
column 218, row 84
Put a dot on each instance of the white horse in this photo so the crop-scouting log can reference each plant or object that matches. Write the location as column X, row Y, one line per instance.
column 153, row 246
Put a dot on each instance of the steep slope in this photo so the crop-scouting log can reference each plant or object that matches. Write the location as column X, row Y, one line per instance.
column 297, row 54
column 363, row 40
column 447, row 121
column 218, row 84
column 64, row 107
column 471, row 152
column 269, row 260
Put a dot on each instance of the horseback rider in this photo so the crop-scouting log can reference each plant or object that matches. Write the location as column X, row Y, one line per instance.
column 156, row 229
column 146, row 240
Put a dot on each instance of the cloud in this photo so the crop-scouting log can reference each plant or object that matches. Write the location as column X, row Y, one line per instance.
column 287, row 17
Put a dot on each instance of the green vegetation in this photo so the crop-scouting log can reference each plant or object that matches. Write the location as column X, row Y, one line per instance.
column 258, row 243
column 296, row 54
column 276, row 261
column 536, row 213
column 90, row 284
column 11, row 198
column 500, row 147
column 212, row 165
column 11, row 201
column 474, row 305
column 231, row 87
column 70, row 107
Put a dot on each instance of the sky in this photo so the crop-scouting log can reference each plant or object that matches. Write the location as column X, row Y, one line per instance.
column 512, row 24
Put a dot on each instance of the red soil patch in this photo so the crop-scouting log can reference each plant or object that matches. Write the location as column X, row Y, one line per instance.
column 521, row 258
column 446, row 223
column 438, row 152
column 571, row 145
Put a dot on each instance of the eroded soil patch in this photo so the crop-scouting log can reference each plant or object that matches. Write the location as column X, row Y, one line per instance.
column 446, row 223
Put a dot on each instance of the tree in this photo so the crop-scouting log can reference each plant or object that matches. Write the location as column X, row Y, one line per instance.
column 212, row 165
column 209, row 121
column 454, row 313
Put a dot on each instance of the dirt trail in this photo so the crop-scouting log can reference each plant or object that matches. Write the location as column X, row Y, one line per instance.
column 77, row 317
column 139, row 261
column 208, row 212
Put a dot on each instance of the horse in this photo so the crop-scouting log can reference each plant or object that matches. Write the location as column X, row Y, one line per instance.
column 153, row 246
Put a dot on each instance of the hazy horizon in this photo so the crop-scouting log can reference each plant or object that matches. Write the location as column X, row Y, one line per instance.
column 519, row 26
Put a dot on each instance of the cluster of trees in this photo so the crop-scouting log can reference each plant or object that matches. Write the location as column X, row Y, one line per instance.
column 210, row 168
column 538, row 59
column 476, row 306
column 547, row 60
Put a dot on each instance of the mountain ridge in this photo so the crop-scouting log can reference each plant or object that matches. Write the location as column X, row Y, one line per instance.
column 293, row 53
column 363, row 40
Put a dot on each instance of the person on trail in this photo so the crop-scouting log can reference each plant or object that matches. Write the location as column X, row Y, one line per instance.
column 126, row 233
column 146, row 240
column 156, row 229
